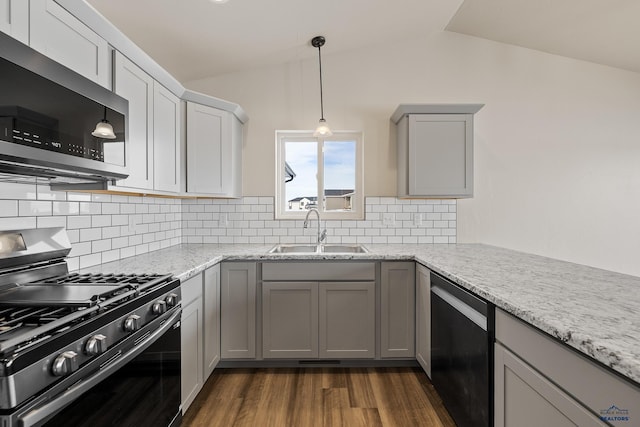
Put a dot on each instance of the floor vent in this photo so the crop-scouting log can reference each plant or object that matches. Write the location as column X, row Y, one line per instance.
column 318, row 362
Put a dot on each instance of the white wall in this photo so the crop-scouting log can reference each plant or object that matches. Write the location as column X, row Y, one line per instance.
column 557, row 166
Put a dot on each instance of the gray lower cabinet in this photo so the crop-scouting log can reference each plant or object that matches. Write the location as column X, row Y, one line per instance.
column 347, row 320
column 423, row 318
column 318, row 319
column 540, row 381
column 191, row 336
column 318, row 310
column 397, row 309
column 528, row 399
column 238, row 310
column 289, row 320
column 211, row 321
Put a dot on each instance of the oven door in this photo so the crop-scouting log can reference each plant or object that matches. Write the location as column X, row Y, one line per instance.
column 139, row 387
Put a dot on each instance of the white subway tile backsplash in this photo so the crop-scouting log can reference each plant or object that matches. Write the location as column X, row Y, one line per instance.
column 90, row 208
column 87, row 234
column 66, row 208
column 251, row 220
column 8, row 208
column 51, row 221
column 100, row 221
column 10, row 190
column 15, row 223
column 81, row 221
column 34, row 208
column 103, row 227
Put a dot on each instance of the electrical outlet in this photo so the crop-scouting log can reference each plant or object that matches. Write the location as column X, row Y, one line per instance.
column 417, row 219
column 388, row 219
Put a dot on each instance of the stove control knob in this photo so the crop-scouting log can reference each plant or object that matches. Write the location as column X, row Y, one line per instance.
column 65, row 363
column 159, row 307
column 132, row 323
column 171, row 300
column 95, row 345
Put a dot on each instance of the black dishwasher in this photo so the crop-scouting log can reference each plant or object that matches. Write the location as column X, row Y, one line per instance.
column 462, row 334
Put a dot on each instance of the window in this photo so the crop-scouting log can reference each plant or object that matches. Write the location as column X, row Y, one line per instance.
column 308, row 166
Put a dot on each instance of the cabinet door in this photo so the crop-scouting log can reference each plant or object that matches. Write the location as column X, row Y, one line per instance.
column 397, row 305
column 166, row 140
column 423, row 318
column 211, row 327
column 524, row 398
column 440, row 155
column 238, row 310
column 208, row 154
column 191, row 357
column 56, row 33
column 347, row 320
column 136, row 86
column 14, row 19
column 290, row 320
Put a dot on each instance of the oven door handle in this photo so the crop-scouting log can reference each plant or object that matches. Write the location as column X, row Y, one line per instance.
column 35, row 416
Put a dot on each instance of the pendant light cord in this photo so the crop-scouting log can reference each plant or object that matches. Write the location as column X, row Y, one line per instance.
column 321, row 100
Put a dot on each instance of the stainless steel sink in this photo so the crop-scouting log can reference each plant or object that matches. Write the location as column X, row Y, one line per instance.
column 285, row 249
column 311, row 249
column 349, row 249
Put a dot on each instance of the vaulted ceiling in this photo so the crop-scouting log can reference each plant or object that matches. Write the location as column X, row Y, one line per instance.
column 194, row 39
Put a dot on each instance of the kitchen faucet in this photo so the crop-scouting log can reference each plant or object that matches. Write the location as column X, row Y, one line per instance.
column 321, row 235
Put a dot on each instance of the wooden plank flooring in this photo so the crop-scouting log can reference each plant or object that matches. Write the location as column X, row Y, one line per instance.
column 318, row 397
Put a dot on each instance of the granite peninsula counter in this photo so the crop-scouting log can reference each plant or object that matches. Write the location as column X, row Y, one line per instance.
column 597, row 312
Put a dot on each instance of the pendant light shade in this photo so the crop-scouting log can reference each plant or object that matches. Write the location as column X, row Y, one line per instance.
column 323, row 128
column 104, row 129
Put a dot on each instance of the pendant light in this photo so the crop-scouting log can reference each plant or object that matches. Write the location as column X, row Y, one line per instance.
column 323, row 128
column 104, row 129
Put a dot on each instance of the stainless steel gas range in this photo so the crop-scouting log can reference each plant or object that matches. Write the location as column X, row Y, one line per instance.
column 84, row 349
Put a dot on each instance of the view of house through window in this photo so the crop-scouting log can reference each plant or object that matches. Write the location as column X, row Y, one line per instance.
column 319, row 173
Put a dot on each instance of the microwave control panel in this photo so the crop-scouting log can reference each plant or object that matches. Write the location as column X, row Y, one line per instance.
column 25, row 133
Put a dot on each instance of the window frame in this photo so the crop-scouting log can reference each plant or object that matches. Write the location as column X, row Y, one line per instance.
column 357, row 201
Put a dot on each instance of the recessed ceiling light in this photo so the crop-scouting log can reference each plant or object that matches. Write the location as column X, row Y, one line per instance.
column 218, row 1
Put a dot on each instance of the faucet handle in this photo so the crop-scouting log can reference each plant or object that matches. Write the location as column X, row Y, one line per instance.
column 322, row 236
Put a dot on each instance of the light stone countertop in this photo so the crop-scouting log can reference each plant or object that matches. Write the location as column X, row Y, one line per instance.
column 594, row 311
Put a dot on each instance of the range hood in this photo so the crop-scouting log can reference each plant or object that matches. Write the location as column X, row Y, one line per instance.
column 47, row 116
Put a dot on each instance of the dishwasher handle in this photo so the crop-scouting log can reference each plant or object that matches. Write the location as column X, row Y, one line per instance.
column 466, row 310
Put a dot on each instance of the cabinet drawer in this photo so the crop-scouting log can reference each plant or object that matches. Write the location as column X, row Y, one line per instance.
column 191, row 289
column 317, row 271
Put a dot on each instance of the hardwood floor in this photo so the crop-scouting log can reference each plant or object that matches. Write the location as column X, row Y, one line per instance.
column 310, row 397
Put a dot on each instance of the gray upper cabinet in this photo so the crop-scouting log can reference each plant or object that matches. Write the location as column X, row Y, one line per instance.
column 154, row 145
column 136, row 86
column 214, row 151
column 62, row 37
column 435, row 149
column 14, row 19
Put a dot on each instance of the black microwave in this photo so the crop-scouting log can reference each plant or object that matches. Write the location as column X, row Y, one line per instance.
column 53, row 121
